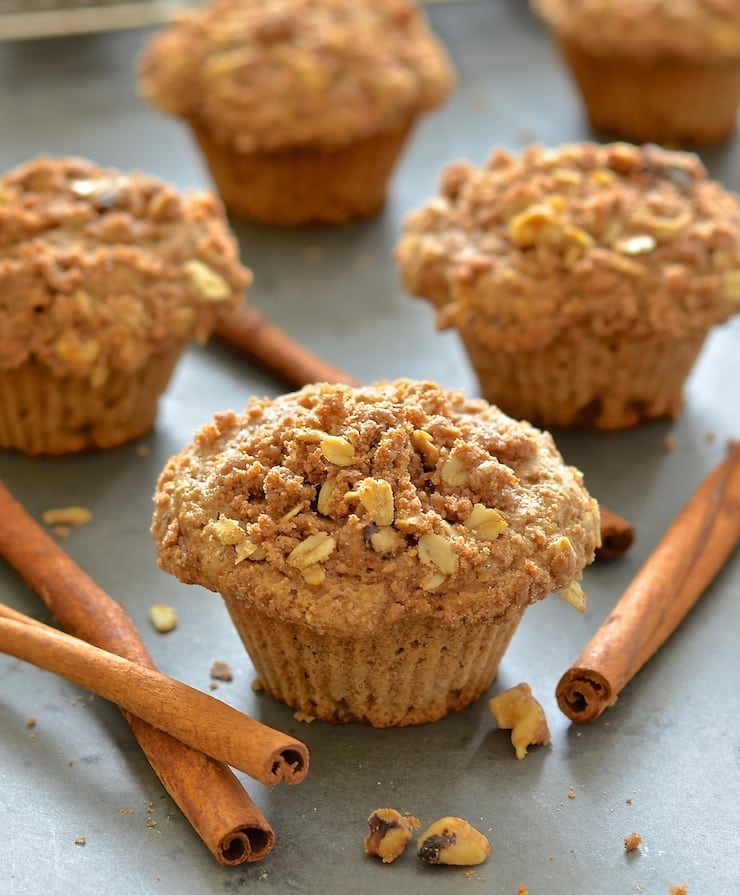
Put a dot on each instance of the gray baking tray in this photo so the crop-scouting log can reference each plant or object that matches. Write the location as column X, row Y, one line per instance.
column 664, row 761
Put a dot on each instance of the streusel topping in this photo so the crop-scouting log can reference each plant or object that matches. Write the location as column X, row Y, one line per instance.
column 288, row 73
column 352, row 508
column 99, row 269
column 584, row 238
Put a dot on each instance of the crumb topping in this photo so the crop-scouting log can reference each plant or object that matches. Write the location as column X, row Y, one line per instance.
column 583, row 238
column 101, row 269
column 688, row 28
column 295, row 72
column 350, row 508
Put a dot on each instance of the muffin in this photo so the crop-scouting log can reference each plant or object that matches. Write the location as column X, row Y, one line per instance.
column 662, row 71
column 375, row 546
column 105, row 278
column 301, row 109
column 582, row 279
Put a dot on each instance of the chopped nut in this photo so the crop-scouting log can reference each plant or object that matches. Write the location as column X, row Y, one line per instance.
column 67, row 516
column 386, row 540
column 632, row 841
column 315, row 548
column 731, row 285
column 80, row 840
column 337, row 450
column 454, row 471
column 485, row 522
column 162, row 617
column 228, row 531
column 452, row 840
column 313, row 575
column 435, row 549
column 573, row 593
column 424, row 444
column 210, row 284
column 390, row 832
column 249, row 550
column 518, row 710
column 635, row 245
column 376, row 495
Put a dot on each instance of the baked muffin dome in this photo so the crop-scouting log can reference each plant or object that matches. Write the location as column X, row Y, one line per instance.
column 375, row 546
column 105, row 277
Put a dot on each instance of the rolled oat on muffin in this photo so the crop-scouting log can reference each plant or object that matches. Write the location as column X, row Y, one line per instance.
column 105, row 278
column 582, row 279
column 376, row 546
column 300, row 109
column 661, row 71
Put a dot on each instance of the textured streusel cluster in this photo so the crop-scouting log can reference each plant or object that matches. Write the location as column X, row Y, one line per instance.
column 294, row 72
column 350, row 509
column 652, row 28
column 99, row 270
column 586, row 239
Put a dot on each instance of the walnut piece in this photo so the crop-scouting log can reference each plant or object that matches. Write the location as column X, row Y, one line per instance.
column 390, row 833
column 163, row 617
column 632, row 841
column 518, row 710
column 452, row 840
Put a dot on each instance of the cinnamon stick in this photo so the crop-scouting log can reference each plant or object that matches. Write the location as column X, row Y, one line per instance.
column 189, row 715
column 270, row 348
column 688, row 556
column 251, row 335
column 617, row 535
column 206, row 791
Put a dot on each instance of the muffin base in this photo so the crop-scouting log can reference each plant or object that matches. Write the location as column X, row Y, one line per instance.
column 588, row 383
column 302, row 186
column 43, row 414
column 412, row 673
column 663, row 100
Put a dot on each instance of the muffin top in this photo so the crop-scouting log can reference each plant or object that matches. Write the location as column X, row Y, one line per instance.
column 348, row 509
column 99, row 269
column 580, row 239
column 269, row 75
column 685, row 28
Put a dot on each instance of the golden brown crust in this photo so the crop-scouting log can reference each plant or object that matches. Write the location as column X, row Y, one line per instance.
column 706, row 30
column 350, row 509
column 584, row 239
column 294, row 73
column 100, row 270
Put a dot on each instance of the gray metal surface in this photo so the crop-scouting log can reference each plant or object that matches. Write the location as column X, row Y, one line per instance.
column 665, row 761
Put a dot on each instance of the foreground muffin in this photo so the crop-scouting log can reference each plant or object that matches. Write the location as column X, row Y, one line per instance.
column 300, row 108
column 105, row 277
column 663, row 71
column 375, row 546
column 582, row 279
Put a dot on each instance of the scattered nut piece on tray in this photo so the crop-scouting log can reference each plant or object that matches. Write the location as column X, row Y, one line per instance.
column 390, row 833
column 452, row 840
column 162, row 617
column 516, row 708
column 221, row 671
column 67, row 516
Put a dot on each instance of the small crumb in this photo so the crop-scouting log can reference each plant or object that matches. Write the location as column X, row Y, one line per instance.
column 143, row 450
column 70, row 762
column 517, row 709
column 521, row 889
column 67, row 516
column 221, row 671
column 30, row 722
column 151, row 823
column 257, row 686
column 571, row 793
column 304, row 717
column 628, row 800
column 125, row 810
column 81, row 840
column 163, row 617
column 213, row 686
column 632, row 841
column 312, row 254
column 678, row 889
column 669, row 442
column 150, row 808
